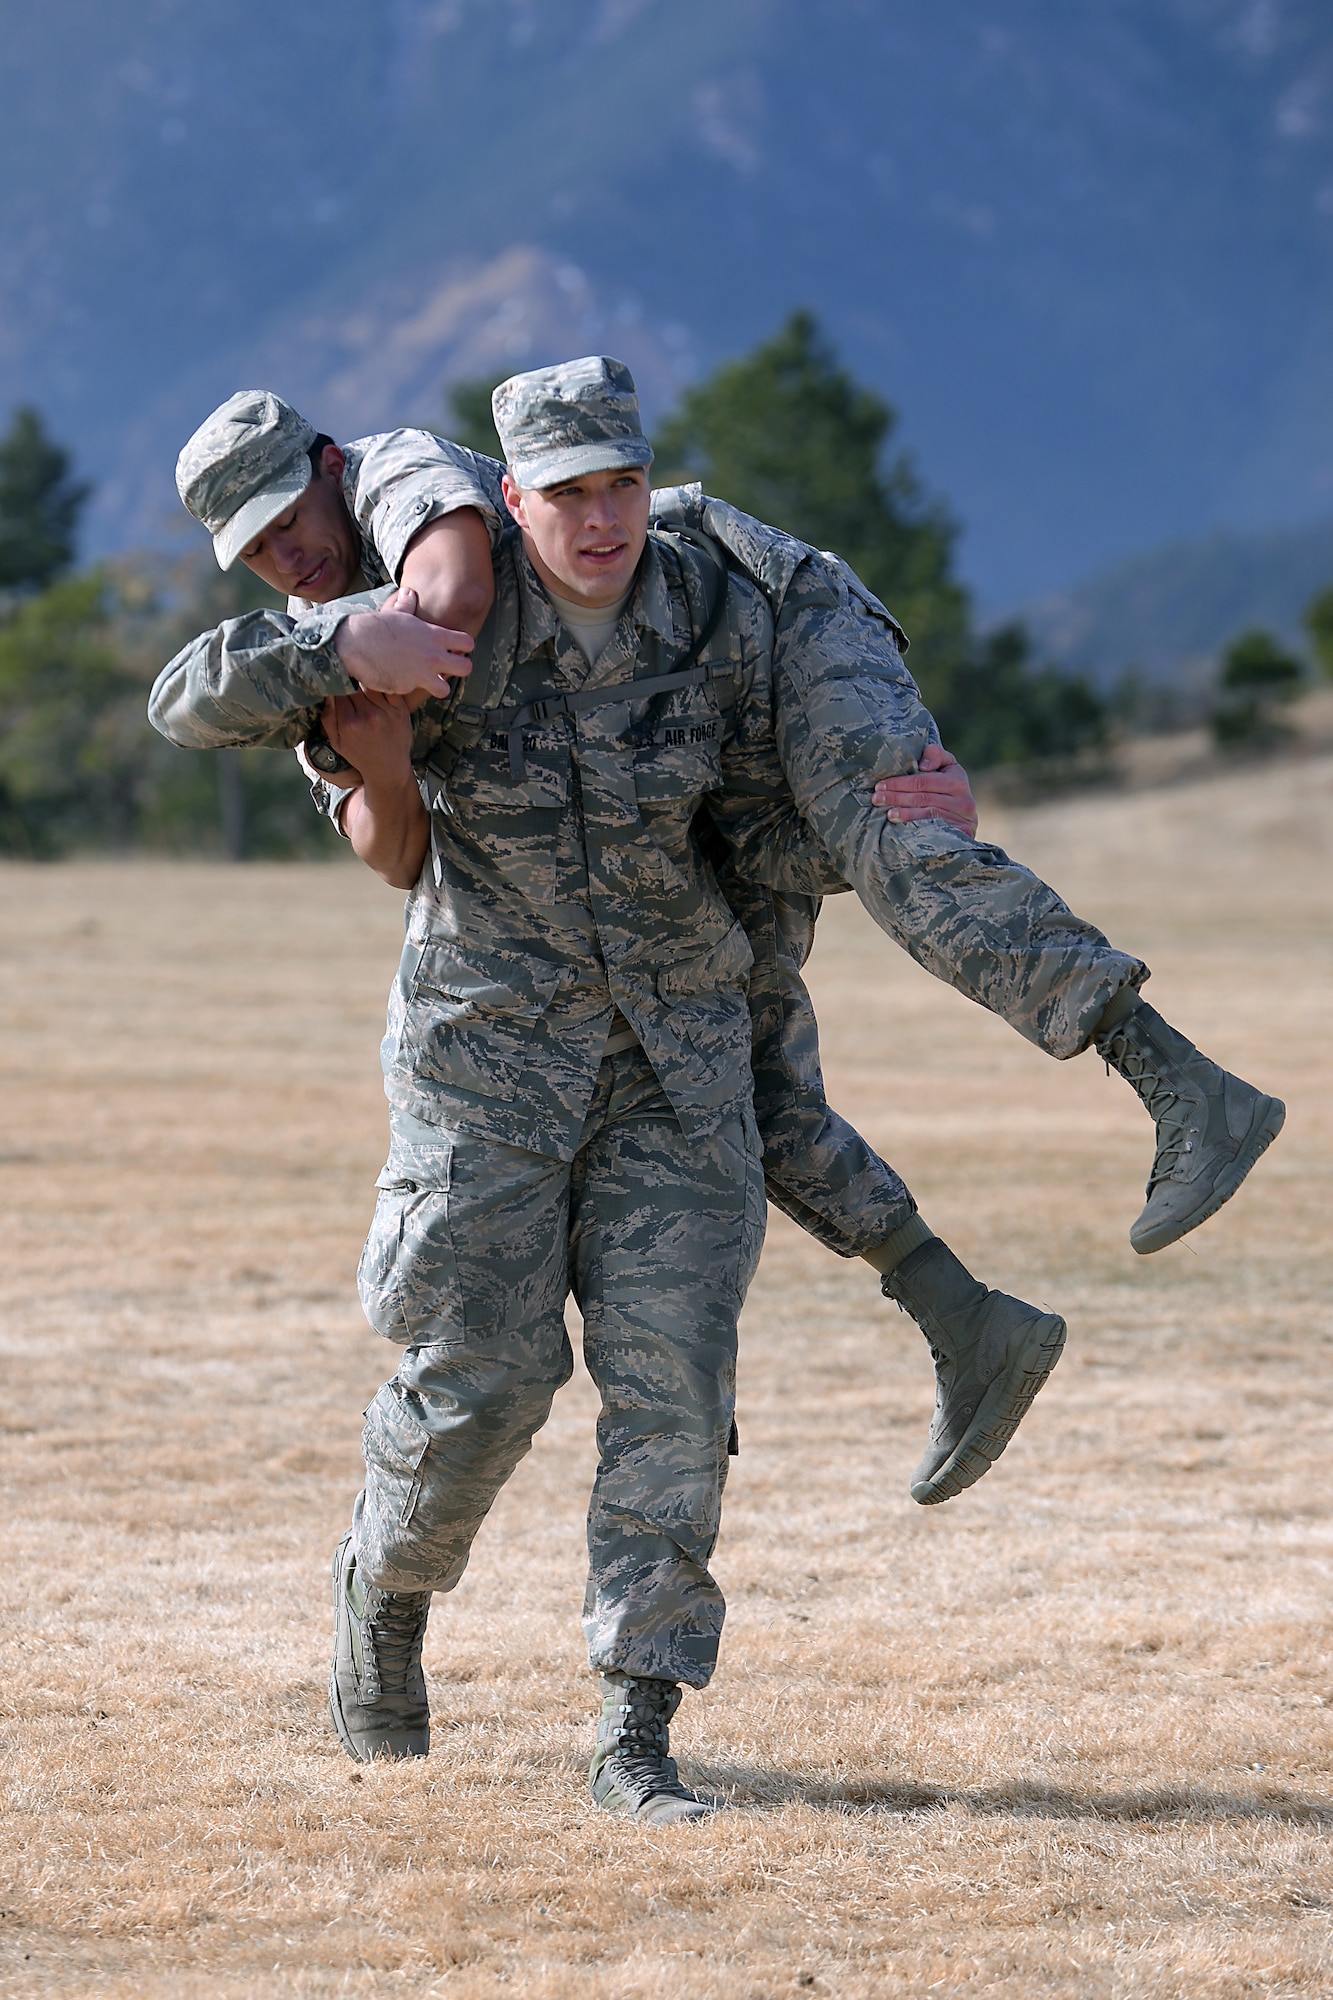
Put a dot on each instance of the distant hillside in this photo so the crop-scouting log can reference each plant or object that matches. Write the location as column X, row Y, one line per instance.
column 1168, row 613
column 386, row 362
column 1088, row 250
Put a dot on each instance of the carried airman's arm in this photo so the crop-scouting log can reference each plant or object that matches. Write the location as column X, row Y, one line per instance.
column 448, row 567
column 259, row 679
column 426, row 512
column 398, row 483
column 430, row 510
column 754, row 810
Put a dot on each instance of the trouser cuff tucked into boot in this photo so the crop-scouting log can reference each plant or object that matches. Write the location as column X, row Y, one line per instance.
column 907, row 1237
column 631, row 1771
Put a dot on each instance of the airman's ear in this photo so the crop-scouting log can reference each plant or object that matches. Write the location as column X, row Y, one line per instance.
column 514, row 500
column 333, row 462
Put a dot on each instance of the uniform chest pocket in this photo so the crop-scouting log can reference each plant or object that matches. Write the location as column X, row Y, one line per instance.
column 485, row 779
column 470, row 1018
column 517, row 818
column 679, row 752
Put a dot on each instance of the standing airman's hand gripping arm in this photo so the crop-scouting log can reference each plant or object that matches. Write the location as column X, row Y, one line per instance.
column 937, row 789
column 259, row 679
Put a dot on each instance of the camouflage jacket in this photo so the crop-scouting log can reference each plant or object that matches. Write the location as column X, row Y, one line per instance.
column 831, row 633
column 845, row 708
column 582, row 885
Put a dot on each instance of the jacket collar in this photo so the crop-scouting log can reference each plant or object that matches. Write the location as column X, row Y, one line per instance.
column 649, row 606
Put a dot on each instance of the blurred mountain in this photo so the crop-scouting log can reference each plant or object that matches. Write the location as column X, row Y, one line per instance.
column 1087, row 251
column 383, row 359
column 1167, row 615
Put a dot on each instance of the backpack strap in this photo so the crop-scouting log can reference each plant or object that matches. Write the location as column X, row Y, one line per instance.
column 705, row 619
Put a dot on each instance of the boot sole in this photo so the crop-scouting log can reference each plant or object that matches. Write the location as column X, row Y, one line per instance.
column 1269, row 1118
column 999, row 1413
column 672, row 1812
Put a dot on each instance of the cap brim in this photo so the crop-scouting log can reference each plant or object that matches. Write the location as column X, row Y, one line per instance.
column 555, row 468
column 259, row 512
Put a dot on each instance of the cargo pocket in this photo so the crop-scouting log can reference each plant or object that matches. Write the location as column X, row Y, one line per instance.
column 470, row 1018
column 408, row 1275
column 395, row 1444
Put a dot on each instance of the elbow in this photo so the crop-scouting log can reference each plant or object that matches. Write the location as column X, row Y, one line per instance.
column 472, row 600
column 160, row 706
column 404, row 870
column 174, row 727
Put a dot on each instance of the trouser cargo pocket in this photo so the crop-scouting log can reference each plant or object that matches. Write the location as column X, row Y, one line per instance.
column 408, row 1274
column 394, row 1443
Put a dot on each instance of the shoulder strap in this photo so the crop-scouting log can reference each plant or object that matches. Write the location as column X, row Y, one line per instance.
column 705, row 618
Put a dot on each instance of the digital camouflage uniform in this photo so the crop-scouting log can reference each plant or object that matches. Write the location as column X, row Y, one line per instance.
column 846, row 712
column 231, row 687
column 571, row 1053
column 523, row 1161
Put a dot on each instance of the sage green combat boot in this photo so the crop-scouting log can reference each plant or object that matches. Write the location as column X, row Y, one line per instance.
column 1211, row 1126
column 377, row 1690
column 631, row 1771
column 991, row 1353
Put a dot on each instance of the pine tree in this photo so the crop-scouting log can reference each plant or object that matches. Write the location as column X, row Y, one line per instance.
column 469, row 420
column 1257, row 674
column 1319, row 625
column 39, row 505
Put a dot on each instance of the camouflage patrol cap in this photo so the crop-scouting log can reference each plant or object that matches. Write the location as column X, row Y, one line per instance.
column 560, row 423
column 242, row 468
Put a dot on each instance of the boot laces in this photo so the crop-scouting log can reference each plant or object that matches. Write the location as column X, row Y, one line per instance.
column 392, row 1631
column 638, row 1739
column 1171, row 1113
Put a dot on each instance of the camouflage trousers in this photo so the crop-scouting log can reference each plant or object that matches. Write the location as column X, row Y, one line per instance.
column 817, row 1167
column 474, row 1248
column 961, row 907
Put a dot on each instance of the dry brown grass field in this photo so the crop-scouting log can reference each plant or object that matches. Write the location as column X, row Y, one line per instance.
column 1066, row 1735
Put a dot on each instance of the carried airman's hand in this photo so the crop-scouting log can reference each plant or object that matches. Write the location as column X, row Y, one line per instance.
column 937, row 789
column 392, row 651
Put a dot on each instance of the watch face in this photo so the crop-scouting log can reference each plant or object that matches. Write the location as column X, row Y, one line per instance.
column 323, row 755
